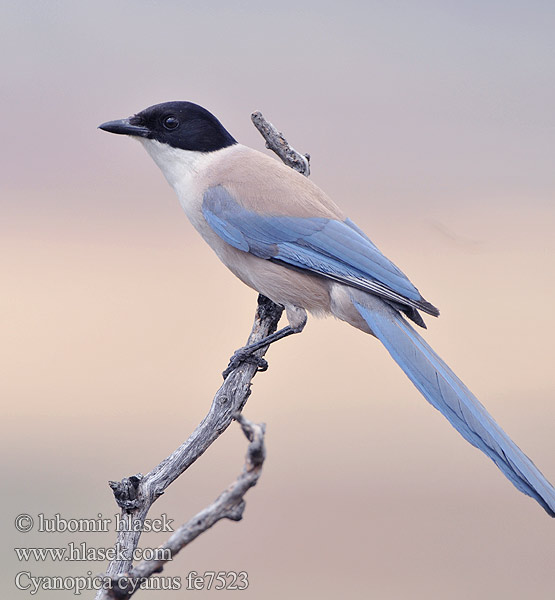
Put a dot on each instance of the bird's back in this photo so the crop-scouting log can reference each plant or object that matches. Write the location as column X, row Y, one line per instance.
column 264, row 185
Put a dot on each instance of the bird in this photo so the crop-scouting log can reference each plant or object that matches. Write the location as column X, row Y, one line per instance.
column 281, row 235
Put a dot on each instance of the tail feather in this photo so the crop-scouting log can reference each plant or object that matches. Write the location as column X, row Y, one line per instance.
column 446, row 392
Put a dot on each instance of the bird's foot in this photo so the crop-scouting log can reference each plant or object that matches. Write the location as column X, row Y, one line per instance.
column 245, row 356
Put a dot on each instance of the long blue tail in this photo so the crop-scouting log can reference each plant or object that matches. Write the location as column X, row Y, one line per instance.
column 446, row 392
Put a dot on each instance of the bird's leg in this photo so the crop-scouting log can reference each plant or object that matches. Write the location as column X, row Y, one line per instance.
column 297, row 321
column 245, row 354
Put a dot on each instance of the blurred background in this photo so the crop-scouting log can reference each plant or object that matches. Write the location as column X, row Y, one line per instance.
column 432, row 125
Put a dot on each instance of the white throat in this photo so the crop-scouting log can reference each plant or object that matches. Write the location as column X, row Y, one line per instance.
column 177, row 165
column 186, row 171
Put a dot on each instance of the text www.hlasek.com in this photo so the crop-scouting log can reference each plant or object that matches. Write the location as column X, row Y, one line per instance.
column 82, row 552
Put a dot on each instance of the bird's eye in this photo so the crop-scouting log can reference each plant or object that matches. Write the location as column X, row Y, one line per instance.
column 170, row 122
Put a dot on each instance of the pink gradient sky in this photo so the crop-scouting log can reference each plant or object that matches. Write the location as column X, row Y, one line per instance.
column 432, row 125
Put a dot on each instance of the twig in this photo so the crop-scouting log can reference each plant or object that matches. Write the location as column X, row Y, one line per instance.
column 136, row 494
column 276, row 142
column 229, row 505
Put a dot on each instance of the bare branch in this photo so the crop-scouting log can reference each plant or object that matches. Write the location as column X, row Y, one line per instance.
column 136, row 494
column 276, row 142
column 229, row 505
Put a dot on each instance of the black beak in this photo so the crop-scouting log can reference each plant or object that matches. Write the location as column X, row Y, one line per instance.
column 125, row 127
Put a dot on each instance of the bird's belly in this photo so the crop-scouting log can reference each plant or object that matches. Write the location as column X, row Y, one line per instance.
column 281, row 284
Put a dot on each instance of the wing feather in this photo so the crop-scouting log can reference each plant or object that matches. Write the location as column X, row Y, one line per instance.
column 328, row 247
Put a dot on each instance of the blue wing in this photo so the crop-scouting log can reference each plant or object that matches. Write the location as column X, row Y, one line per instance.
column 335, row 249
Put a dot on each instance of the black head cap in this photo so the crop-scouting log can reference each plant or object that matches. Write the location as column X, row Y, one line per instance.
column 179, row 124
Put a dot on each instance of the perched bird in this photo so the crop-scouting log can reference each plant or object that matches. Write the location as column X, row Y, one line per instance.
column 282, row 236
